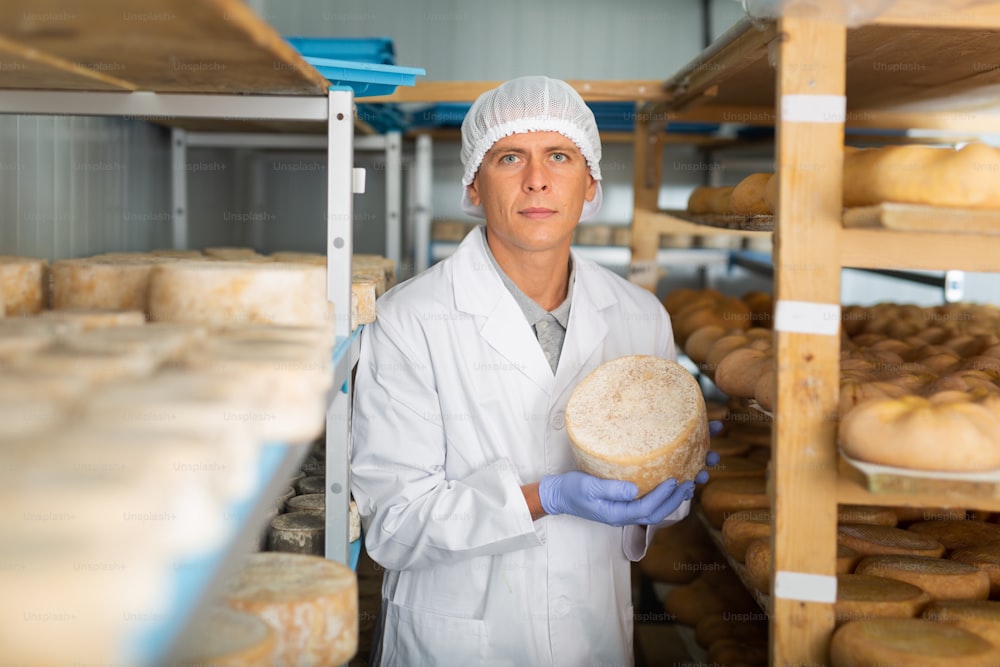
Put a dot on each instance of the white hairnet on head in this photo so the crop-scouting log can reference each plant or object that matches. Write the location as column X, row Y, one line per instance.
column 529, row 104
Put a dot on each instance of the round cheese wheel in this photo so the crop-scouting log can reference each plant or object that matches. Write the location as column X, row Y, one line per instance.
column 914, row 642
column 21, row 336
column 96, row 367
column 942, row 579
column 311, row 484
column 738, row 372
column 907, row 432
column 987, row 558
column 298, row 532
column 980, row 617
column 229, row 638
column 748, row 197
column 958, row 534
column 306, row 502
column 721, row 498
column 880, row 516
column 231, row 253
column 22, row 285
column 310, row 602
column 866, row 596
column 103, row 282
column 757, row 558
column 872, row 540
column 229, row 292
column 160, row 340
column 741, row 528
column 737, row 652
column 640, row 419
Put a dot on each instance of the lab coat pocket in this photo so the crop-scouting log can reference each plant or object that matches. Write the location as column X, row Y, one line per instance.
column 418, row 637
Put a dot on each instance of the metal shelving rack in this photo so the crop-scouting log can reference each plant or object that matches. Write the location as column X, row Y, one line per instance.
column 252, row 94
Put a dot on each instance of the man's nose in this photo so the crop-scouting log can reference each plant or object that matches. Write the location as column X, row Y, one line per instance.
column 535, row 179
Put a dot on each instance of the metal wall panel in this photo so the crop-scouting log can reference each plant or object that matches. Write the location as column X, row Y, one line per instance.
column 76, row 186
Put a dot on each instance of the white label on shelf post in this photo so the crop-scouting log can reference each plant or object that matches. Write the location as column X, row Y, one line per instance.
column 644, row 272
column 806, row 317
column 805, row 587
column 358, row 180
column 813, row 108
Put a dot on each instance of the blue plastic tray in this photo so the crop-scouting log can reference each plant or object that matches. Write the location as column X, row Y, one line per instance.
column 377, row 50
column 365, row 79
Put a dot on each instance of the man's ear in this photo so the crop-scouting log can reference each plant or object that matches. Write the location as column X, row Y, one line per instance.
column 591, row 188
column 473, row 193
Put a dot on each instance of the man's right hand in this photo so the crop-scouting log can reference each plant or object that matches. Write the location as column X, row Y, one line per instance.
column 610, row 501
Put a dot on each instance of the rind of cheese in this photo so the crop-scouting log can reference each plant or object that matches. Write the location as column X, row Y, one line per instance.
column 958, row 534
column 721, row 498
column 229, row 638
column 225, row 293
column 741, row 528
column 231, row 253
column 748, row 195
column 638, row 418
column 914, row 642
column 942, row 579
column 980, row 617
column 866, row 596
column 96, row 367
column 362, row 302
column 22, row 285
column 907, row 432
column 872, row 540
column 301, row 532
column 103, row 282
column 311, row 602
column 987, row 558
column 160, row 340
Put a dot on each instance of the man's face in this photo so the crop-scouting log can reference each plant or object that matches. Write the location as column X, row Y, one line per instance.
column 532, row 187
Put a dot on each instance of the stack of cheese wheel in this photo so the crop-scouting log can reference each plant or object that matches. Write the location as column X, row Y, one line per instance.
column 371, row 277
column 310, row 602
column 753, row 195
column 908, row 641
column 641, row 419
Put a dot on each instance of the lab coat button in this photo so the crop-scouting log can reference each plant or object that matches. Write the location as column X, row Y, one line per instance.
column 558, row 420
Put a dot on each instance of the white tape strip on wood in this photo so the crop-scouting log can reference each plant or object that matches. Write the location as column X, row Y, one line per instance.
column 807, row 317
column 813, row 108
column 805, row 587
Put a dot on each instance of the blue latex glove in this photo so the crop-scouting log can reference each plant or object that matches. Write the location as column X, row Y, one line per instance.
column 714, row 429
column 610, row 501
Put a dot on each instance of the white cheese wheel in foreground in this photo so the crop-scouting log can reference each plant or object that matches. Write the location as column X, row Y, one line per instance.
column 638, row 418
column 310, row 601
column 22, row 285
column 231, row 292
column 913, row 642
column 229, row 638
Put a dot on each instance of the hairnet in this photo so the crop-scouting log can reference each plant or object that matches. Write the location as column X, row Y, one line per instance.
column 529, row 104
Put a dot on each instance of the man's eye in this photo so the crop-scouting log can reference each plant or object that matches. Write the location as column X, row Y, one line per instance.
column 560, row 157
column 508, row 159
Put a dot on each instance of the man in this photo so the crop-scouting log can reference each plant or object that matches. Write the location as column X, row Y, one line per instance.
column 496, row 549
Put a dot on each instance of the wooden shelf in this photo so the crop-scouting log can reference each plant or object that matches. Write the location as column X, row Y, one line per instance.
column 650, row 90
column 165, row 46
column 931, row 251
column 680, row 222
column 905, row 67
column 856, row 488
column 916, row 218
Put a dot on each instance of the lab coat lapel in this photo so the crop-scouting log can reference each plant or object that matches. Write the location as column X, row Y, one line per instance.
column 479, row 291
column 587, row 327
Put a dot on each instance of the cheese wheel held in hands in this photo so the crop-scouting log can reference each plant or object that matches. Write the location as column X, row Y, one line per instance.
column 638, row 418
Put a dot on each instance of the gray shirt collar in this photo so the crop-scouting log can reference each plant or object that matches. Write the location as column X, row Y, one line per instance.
column 532, row 311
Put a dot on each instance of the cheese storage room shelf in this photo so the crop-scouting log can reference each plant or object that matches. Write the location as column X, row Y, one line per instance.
column 258, row 83
column 906, row 67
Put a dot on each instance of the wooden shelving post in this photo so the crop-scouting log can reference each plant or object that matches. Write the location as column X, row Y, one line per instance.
column 647, row 171
column 810, row 103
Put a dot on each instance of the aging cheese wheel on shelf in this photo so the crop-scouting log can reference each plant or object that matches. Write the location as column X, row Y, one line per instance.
column 640, row 419
column 872, row 540
column 225, row 293
column 748, row 197
column 879, row 516
column 231, row 253
column 866, row 596
column 22, row 285
column 306, row 502
column 721, row 498
column 739, row 371
column 86, row 319
column 987, row 558
column 108, row 282
column 21, row 336
column 741, row 528
column 710, row 199
column 229, row 638
column 907, row 432
column 980, row 617
column 159, row 340
column 922, row 175
column 301, row 532
column 958, row 534
column 943, row 579
column 96, row 367
column 913, row 642
column 310, row 602
column 362, row 301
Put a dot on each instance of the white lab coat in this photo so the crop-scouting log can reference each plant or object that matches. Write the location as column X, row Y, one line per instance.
column 455, row 408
